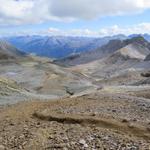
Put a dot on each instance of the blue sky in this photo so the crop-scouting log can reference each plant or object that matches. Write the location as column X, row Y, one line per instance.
column 63, row 17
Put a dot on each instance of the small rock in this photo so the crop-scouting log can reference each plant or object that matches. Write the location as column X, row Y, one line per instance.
column 83, row 143
column 134, row 119
column 11, row 124
column 131, row 125
column 148, row 129
column 2, row 147
column 38, row 123
column 114, row 110
column 65, row 139
column 85, row 146
column 94, row 114
column 124, row 120
column 90, row 138
column 106, row 138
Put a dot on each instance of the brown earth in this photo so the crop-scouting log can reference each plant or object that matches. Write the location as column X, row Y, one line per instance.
column 100, row 121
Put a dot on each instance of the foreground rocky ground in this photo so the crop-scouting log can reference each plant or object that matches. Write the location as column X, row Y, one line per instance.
column 98, row 121
column 79, row 108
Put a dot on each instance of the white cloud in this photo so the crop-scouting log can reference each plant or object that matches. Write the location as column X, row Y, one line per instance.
column 36, row 11
column 141, row 28
column 135, row 29
column 109, row 31
column 90, row 9
column 73, row 32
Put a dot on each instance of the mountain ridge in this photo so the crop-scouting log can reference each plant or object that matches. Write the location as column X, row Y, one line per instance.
column 103, row 51
column 58, row 46
column 8, row 51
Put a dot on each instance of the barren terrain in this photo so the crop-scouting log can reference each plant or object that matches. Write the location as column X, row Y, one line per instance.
column 101, row 105
column 102, row 120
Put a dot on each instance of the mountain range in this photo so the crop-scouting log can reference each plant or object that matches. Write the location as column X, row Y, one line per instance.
column 61, row 46
column 58, row 46
column 135, row 46
column 102, row 90
column 123, row 59
column 123, row 64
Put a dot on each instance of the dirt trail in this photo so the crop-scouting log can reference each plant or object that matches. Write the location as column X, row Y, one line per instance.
column 85, row 122
column 139, row 131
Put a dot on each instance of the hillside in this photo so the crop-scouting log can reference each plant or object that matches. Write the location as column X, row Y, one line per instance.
column 26, row 77
column 131, row 51
column 99, row 104
column 74, row 74
column 40, row 79
column 7, row 51
column 103, row 51
column 123, row 66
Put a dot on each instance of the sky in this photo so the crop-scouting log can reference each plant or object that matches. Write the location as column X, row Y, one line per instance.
column 93, row 18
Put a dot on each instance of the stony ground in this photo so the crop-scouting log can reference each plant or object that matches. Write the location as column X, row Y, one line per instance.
column 38, row 79
column 98, row 121
column 104, row 117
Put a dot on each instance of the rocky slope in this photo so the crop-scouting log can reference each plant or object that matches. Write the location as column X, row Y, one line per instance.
column 103, row 104
column 103, row 51
column 124, row 66
column 41, row 79
column 7, row 51
column 103, row 120
column 131, row 51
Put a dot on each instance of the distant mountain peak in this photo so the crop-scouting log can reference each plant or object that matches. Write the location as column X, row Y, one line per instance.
column 134, row 51
column 136, row 48
column 59, row 46
column 138, row 39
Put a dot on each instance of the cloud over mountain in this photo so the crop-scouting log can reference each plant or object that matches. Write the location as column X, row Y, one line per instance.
column 36, row 11
column 141, row 28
